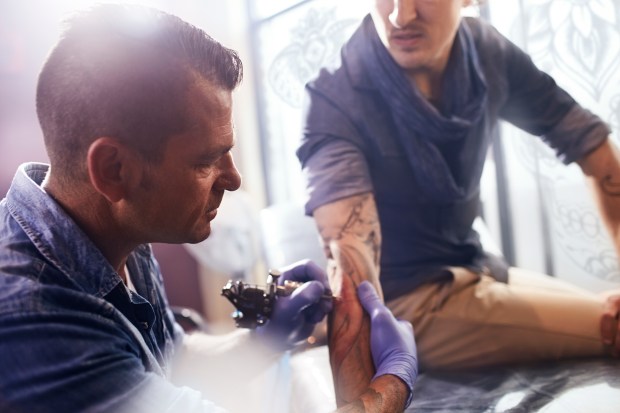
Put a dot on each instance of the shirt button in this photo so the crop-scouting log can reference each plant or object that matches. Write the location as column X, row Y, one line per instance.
column 145, row 325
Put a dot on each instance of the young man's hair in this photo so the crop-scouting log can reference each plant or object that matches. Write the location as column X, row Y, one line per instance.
column 123, row 72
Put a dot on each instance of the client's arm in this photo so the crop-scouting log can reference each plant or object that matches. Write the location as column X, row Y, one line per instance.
column 394, row 355
column 602, row 169
column 351, row 238
column 385, row 394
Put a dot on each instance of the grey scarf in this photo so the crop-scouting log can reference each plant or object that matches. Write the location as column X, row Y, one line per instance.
column 421, row 127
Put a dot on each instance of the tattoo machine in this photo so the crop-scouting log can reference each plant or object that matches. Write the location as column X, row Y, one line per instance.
column 253, row 304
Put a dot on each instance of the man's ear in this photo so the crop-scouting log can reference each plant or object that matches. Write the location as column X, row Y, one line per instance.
column 111, row 168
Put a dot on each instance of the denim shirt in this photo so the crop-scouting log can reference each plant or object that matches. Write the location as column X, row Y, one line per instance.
column 72, row 336
column 350, row 147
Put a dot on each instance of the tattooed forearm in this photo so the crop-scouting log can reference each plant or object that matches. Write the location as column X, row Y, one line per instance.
column 355, row 263
column 348, row 328
column 350, row 232
column 354, row 219
column 359, row 214
column 363, row 223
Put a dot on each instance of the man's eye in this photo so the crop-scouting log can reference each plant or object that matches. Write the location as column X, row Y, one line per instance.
column 207, row 162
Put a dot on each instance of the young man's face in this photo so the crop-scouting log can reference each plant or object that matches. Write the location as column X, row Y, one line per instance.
column 178, row 197
column 418, row 34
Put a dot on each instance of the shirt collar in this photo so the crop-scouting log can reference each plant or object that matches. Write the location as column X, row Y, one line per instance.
column 56, row 236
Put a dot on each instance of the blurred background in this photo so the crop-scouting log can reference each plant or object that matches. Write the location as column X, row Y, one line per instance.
column 538, row 211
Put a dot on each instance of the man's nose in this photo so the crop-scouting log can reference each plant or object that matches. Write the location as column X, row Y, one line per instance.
column 403, row 13
column 230, row 179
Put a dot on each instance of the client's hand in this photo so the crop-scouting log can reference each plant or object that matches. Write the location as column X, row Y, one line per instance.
column 392, row 343
column 610, row 324
column 295, row 316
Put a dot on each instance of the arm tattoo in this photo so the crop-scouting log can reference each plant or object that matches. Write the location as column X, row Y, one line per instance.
column 351, row 239
column 363, row 224
column 354, row 264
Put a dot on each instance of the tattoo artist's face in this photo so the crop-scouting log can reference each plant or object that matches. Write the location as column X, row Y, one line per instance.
column 181, row 194
column 418, row 33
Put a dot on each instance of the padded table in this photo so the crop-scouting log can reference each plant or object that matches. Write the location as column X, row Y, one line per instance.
column 570, row 386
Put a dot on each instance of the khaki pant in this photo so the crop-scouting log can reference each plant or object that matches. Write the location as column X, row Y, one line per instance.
column 475, row 321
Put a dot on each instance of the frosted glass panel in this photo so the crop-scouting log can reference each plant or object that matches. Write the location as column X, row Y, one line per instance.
column 556, row 225
column 293, row 48
column 266, row 8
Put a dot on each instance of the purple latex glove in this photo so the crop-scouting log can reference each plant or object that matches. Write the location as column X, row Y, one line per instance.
column 392, row 343
column 295, row 316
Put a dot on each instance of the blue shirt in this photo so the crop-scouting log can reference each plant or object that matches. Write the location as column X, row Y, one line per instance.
column 350, row 147
column 72, row 337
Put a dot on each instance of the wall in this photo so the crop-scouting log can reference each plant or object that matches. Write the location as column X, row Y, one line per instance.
column 556, row 225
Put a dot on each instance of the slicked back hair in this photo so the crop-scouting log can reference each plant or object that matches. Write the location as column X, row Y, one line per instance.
column 124, row 72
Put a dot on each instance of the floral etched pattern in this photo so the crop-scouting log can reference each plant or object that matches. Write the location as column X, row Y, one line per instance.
column 578, row 43
column 578, row 37
column 315, row 43
column 294, row 45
